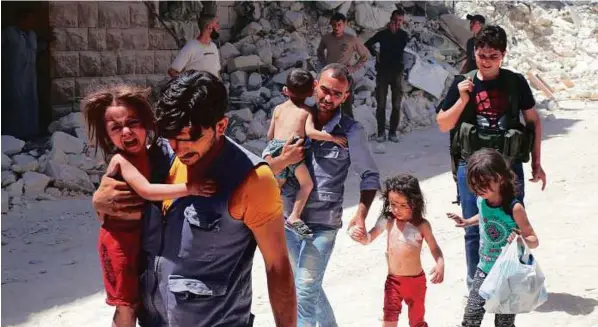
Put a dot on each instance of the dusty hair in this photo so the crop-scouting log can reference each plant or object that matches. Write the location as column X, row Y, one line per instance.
column 408, row 186
column 486, row 166
column 95, row 104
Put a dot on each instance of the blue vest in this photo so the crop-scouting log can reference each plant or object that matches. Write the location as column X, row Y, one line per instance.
column 328, row 165
column 198, row 257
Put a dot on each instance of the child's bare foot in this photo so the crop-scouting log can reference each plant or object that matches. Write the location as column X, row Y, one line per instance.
column 297, row 226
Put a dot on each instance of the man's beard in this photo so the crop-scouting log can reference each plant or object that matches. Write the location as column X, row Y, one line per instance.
column 215, row 35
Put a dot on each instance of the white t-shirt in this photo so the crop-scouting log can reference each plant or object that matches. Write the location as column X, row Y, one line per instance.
column 198, row 56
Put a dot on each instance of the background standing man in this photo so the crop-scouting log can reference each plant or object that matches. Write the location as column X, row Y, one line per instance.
column 389, row 67
column 200, row 53
column 339, row 47
column 476, row 23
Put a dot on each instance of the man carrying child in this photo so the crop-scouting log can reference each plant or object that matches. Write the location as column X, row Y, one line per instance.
column 328, row 164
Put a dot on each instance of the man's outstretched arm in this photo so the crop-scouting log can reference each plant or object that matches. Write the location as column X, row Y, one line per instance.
column 263, row 216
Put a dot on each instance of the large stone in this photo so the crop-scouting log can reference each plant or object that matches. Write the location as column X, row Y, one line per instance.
column 97, row 39
column 83, row 86
column 68, row 177
column 290, row 60
column 58, row 156
column 162, row 61
column 8, row 177
column 63, row 14
column 82, row 162
column 6, row 162
column 265, row 92
column 248, row 49
column 244, row 114
column 266, row 26
column 88, row 13
column 90, row 63
column 293, row 19
column 114, row 15
column 76, row 39
column 109, row 63
column 15, row 189
column 252, row 97
column 126, row 62
column 252, row 29
column 275, row 101
column 23, row 163
column 365, row 84
column 238, row 79
column 67, row 143
column 457, row 27
column 344, row 8
column 254, row 82
column 144, row 62
column 35, row 183
column 11, row 145
column 137, row 80
column 114, row 39
column 135, row 38
column 245, row 63
column 265, row 54
column 160, row 39
column 370, row 16
column 139, row 14
column 227, row 51
column 67, row 123
column 256, row 129
column 64, row 64
column 63, row 90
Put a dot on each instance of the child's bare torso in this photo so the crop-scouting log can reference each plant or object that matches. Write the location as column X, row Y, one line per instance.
column 289, row 120
column 403, row 248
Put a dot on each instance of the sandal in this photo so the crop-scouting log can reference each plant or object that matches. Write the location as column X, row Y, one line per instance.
column 300, row 228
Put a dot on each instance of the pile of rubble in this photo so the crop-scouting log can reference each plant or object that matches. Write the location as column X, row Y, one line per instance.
column 62, row 166
column 553, row 43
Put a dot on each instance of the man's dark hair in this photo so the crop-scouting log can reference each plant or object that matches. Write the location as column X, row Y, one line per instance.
column 339, row 71
column 491, row 36
column 397, row 12
column 300, row 83
column 204, row 20
column 195, row 99
column 477, row 18
column 23, row 11
column 408, row 186
column 338, row 17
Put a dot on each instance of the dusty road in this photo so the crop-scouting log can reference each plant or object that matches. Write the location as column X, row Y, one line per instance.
column 51, row 275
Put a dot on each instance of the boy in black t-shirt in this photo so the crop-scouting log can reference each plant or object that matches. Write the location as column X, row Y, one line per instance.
column 490, row 100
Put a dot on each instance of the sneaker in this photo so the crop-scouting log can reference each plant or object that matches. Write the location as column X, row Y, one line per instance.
column 380, row 138
column 393, row 138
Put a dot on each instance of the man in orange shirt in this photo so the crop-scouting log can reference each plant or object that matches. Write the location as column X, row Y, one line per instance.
column 199, row 251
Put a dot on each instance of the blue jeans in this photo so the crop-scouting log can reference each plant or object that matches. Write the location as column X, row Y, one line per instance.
column 470, row 209
column 309, row 259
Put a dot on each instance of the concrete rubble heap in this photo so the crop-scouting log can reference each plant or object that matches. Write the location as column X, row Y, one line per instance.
column 62, row 165
column 551, row 42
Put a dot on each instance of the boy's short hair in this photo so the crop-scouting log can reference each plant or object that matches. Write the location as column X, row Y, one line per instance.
column 397, row 12
column 300, row 83
column 338, row 17
column 491, row 36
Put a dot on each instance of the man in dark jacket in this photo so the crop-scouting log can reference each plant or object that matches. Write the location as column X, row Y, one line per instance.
column 389, row 65
column 476, row 23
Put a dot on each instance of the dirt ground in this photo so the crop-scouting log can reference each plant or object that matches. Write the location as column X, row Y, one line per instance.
column 51, row 274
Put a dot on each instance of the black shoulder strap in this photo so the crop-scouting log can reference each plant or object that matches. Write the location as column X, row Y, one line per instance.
column 512, row 88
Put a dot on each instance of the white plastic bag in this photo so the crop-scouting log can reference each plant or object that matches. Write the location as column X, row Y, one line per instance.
column 515, row 284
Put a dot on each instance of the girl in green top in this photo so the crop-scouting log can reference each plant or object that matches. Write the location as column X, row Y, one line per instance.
column 501, row 217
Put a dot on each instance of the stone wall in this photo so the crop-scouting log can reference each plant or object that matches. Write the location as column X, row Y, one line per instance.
column 109, row 42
